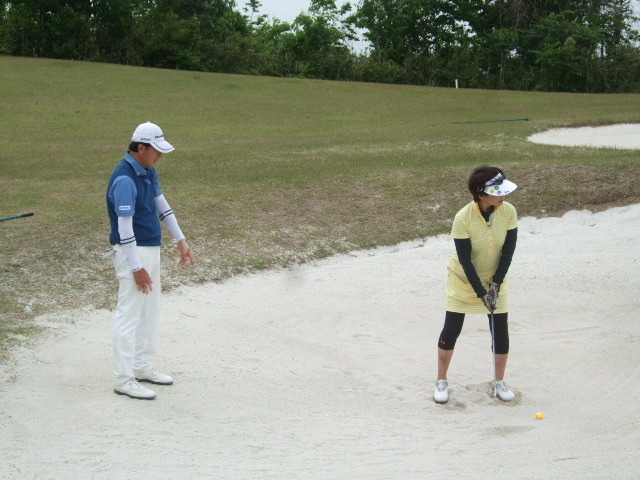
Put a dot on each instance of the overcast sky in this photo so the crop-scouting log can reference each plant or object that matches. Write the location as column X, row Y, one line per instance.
column 285, row 10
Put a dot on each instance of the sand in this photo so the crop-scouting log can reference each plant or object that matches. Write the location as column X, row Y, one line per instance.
column 326, row 370
column 624, row 136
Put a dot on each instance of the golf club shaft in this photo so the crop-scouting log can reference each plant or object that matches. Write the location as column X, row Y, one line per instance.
column 16, row 216
column 493, row 341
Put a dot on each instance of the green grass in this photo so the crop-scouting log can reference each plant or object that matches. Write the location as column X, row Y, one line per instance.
column 267, row 171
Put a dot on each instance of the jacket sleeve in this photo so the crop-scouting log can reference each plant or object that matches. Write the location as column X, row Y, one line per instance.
column 507, row 255
column 463, row 249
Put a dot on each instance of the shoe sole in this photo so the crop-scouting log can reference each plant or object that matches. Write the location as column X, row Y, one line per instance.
column 151, row 381
column 504, row 400
column 134, row 397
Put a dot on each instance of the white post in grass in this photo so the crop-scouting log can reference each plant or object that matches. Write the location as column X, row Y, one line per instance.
column 456, row 83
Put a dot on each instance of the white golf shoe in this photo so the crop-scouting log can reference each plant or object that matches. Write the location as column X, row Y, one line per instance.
column 441, row 391
column 131, row 388
column 152, row 375
column 501, row 391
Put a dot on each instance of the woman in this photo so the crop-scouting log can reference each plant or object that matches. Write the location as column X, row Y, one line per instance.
column 485, row 234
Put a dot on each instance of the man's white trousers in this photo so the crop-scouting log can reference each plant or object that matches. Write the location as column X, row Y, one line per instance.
column 135, row 330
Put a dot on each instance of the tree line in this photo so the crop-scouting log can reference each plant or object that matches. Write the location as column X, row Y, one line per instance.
column 546, row 45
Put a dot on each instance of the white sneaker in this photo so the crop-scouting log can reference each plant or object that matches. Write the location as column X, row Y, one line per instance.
column 133, row 389
column 151, row 375
column 501, row 391
column 441, row 391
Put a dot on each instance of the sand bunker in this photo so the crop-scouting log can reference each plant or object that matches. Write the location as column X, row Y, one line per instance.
column 326, row 371
column 611, row 136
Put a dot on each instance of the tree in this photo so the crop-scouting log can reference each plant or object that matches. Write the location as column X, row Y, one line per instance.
column 562, row 51
column 572, row 45
column 191, row 34
column 425, row 37
column 399, row 30
column 4, row 34
column 316, row 45
column 252, row 7
column 542, row 44
column 50, row 28
column 115, row 31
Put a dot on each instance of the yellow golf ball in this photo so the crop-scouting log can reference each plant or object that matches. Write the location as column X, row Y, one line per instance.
column 539, row 416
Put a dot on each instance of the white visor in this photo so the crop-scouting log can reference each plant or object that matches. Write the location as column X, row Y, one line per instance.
column 499, row 186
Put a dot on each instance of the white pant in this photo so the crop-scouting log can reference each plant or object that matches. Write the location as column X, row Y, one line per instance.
column 135, row 330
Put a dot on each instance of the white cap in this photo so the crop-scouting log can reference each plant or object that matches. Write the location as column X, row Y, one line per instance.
column 151, row 133
column 499, row 186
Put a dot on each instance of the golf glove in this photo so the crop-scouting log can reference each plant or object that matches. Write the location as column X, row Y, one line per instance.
column 488, row 302
column 494, row 290
column 491, row 298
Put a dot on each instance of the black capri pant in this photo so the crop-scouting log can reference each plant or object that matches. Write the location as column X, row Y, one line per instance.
column 453, row 322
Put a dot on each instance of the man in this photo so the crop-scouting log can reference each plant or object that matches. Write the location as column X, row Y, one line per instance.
column 137, row 208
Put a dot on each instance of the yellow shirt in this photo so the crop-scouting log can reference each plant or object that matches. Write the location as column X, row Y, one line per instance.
column 487, row 239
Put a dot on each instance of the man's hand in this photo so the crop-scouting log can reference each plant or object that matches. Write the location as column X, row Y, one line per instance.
column 186, row 255
column 143, row 281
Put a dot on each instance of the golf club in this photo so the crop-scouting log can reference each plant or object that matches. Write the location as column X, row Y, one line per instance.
column 17, row 216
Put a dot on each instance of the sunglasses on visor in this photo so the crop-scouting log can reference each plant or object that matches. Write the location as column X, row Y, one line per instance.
column 497, row 180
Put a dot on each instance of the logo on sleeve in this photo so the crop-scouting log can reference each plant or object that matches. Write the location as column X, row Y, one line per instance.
column 124, row 208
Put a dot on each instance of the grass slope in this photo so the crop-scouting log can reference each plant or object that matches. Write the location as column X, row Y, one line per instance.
column 267, row 171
